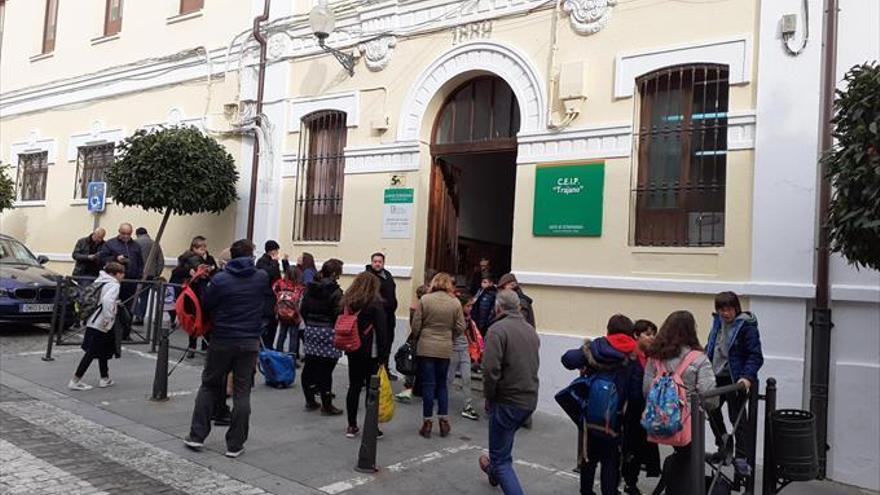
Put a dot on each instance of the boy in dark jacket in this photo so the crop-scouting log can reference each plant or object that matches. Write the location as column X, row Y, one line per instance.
column 611, row 357
column 734, row 349
column 484, row 304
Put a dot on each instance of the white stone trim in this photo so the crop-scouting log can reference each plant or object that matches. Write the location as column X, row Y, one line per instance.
column 176, row 117
column 29, row 204
column 109, row 83
column 395, row 157
column 288, row 165
column 97, row 135
column 857, row 293
column 477, row 57
column 184, row 17
column 349, row 103
column 741, row 130
column 734, row 52
column 34, row 144
column 104, row 38
column 612, row 141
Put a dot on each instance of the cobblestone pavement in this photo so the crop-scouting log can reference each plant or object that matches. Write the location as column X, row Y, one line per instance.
column 48, row 450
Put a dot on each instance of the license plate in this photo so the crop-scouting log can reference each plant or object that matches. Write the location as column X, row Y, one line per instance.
column 36, row 308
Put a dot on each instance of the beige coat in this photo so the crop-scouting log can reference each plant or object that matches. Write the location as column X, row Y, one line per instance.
column 438, row 319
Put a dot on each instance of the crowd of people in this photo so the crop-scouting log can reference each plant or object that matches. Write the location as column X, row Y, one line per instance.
column 486, row 328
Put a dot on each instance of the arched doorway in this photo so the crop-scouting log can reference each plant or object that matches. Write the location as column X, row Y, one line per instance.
column 473, row 178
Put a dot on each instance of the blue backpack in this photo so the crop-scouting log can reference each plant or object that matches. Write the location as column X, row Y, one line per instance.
column 594, row 401
column 278, row 368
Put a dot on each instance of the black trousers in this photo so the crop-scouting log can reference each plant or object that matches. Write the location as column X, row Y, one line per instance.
column 735, row 402
column 126, row 294
column 270, row 328
column 317, row 376
column 604, row 451
column 86, row 361
column 225, row 356
column 360, row 368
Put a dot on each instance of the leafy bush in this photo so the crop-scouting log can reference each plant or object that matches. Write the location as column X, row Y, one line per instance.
column 7, row 188
column 853, row 167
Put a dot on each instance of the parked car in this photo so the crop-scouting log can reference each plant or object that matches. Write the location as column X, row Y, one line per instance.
column 27, row 289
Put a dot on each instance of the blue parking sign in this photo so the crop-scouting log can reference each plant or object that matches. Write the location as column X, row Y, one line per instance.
column 97, row 196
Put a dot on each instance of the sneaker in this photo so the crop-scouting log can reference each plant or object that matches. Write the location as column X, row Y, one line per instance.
column 632, row 490
column 232, row 454
column 741, row 467
column 352, row 432
column 484, row 466
column 193, row 444
column 404, row 397
column 105, row 382
column 379, row 434
column 78, row 385
column 469, row 413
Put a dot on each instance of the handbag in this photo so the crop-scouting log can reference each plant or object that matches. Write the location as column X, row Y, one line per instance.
column 405, row 359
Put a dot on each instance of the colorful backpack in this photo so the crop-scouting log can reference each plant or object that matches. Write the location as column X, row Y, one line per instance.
column 475, row 343
column 189, row 306
column 287, row 298
column 346, row 336
column 667, row 409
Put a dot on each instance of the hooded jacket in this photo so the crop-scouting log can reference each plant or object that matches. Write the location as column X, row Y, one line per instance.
column 234, row 300
column 104, row 317
column 613, row 355
column 744, row 355
column 320, row 303
column 484, row 308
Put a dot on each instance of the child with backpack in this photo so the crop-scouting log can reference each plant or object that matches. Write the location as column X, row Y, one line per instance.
column 611, row 378
column 100, row 301
column 461, row 358
column 676, row 368
column 288, row 294
column 734, row 349
column 637, row 451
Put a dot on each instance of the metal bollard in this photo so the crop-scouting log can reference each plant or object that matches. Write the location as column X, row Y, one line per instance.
column 768, row 487
column 367, row 456
column 160, row 380
column 698, row 446
column 752, row 435
column 59, row 286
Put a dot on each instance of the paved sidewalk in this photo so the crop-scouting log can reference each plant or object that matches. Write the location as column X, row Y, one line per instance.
column 115, row 440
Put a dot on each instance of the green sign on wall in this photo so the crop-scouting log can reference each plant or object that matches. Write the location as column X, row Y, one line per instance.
column 568, row 200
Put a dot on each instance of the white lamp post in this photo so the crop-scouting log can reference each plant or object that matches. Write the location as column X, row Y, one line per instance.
column 323, row 21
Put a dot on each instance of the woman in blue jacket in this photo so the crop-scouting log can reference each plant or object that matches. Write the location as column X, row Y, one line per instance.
column 734, row 349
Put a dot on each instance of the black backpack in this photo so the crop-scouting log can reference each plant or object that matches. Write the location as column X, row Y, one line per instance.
column 89, row 301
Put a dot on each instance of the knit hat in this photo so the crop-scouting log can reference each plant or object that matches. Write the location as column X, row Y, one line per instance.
column 272, row 246
column 506, row 279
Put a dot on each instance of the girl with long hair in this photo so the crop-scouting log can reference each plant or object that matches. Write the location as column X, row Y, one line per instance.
column 362, row 298
column 319, row 309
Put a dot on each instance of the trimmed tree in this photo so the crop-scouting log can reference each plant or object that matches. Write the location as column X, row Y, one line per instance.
column 173, row 171
column 853, row 167
column 7, row 188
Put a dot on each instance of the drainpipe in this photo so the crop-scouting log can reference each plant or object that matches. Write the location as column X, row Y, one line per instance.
column 820, row 349
column 261, row 82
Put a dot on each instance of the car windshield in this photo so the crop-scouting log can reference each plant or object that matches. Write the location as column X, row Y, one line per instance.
column 14, row 253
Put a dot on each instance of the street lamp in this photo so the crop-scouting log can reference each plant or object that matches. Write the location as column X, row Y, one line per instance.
column 323, row 21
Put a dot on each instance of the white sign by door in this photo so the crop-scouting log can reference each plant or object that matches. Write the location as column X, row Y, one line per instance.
column 397, row 214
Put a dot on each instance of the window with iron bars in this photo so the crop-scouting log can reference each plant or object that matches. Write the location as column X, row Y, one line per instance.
column 33, row 171
column 92, row 164
column 320, row 177
column 681, row 150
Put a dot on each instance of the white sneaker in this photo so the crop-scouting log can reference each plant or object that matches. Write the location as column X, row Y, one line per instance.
column 105, row 382
column 78, row 385
column 232, row 454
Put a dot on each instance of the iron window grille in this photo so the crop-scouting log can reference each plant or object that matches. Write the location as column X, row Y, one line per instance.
column 113, row 17
column 92, row 164
column 482, row 114
column 189, row 6
column 50, row 24
column 320, row 177
column 681, row 153
column 33, row 171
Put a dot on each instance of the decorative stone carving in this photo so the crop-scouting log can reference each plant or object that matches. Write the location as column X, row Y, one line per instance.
column 279, row 45
column 588, row 16
column 377, row 52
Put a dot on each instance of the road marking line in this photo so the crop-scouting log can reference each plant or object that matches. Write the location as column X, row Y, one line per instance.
column 344, row 486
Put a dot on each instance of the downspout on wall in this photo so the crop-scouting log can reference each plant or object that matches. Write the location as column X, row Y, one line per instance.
column 261, row 83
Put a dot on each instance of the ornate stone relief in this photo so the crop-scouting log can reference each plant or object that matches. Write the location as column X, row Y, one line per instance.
column 588, row 16
column 279, row 45
column 377, row 52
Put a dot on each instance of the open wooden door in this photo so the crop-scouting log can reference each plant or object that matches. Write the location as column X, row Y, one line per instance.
column 443, row 217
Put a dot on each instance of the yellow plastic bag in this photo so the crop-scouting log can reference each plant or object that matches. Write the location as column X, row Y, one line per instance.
column 386, row 397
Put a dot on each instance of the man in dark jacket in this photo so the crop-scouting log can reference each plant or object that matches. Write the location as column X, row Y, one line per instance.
column 123, row 249
column 613, row 359
column 510, row 386
column 155, row 269
column 85, row 253
column 234, row 302
column 734, row 349
column 269, row 264
column 388, row 291
column 508, row 282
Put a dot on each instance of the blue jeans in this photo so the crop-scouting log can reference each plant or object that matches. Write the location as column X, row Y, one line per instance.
column 294, row 332
column 503, row 423
column 432, row 372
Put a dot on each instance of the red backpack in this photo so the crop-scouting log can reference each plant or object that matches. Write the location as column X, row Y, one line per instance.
column 287, row 297
column 346, row 336
column 189, row 307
